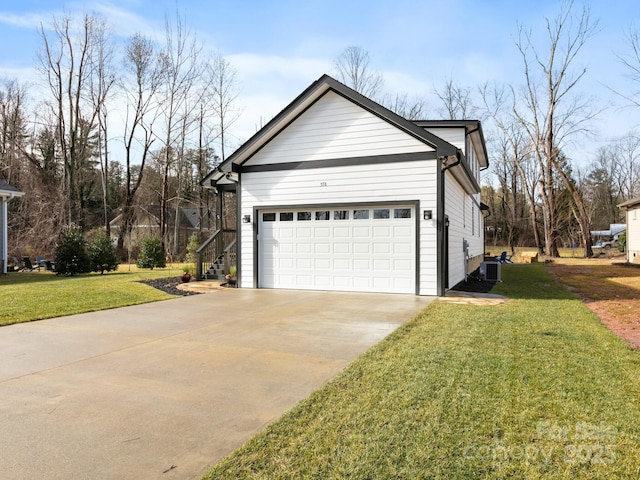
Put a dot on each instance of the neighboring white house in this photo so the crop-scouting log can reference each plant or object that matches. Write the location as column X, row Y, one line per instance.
column 632, row 208
column 340, row 193
column 7, row 192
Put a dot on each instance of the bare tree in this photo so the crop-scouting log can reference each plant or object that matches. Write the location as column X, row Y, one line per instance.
column 457, row 101
column 353, row 69
column 139, row 87
column 401, row 104
column 632, row 62
column 551, row 113
column 102, row 80
column 12, row 130
column 181, row 71
column 515, row 169
column 67, row 63
column 225, row 93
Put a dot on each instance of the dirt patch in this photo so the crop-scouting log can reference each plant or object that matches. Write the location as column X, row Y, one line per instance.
column 609, row 288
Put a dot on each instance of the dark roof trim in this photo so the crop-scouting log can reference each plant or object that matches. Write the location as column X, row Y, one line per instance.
column 337, row 162
column 312, row 94
column 471, row 126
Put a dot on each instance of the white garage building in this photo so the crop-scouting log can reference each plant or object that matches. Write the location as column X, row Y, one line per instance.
column 340, row 193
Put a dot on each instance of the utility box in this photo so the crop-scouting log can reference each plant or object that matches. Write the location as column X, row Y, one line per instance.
column 490, row 271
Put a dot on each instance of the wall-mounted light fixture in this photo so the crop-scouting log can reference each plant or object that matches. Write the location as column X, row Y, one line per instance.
column 427, row 214
column 246, row 219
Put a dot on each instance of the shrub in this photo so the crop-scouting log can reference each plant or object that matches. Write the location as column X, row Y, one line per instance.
column 151, row 254
column 102, row 253
column 71, row 252
column 192, row 248
column 622, row 242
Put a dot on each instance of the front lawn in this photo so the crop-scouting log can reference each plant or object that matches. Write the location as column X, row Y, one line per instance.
column 534, row 388
column 36, row 295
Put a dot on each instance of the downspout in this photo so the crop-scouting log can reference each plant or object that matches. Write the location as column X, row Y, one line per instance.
column 441, row 222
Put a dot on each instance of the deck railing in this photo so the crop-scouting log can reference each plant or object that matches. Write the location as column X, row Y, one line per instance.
column 222, row 242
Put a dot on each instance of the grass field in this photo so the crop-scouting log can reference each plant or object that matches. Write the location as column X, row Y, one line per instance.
column 534, row 388
column 36, row 295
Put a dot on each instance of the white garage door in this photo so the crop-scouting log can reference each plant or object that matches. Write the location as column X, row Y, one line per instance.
column 367, row 249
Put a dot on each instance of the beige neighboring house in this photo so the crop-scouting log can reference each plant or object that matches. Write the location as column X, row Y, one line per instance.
column 632, row 208
column 7, row 193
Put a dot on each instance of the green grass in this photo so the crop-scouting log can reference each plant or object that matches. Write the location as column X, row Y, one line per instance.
column 534, row 388
column 37, row 295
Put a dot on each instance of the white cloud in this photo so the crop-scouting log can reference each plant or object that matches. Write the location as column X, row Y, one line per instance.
column 268, row 84
column 26, row 20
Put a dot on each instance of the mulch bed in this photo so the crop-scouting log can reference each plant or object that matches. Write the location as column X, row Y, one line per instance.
column 474, row 285
column 168, row 285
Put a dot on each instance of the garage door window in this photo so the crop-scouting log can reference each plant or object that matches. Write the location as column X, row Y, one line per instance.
column 380, row 213
column 360, row 214
column 323, row 215
column 401, row 213
column 268, row 217
column 304, row 216
column 341, row 215
column 286, row 216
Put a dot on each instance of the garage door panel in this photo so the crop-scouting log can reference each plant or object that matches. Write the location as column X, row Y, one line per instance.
column 381, row 232
column 402, row 247
column 342, row 264
column 322, row 263
column 361, row 264
column 382, row 248
column 304, row 233
column 382, row 264
column 362, row 232
column 364, row 248
column 354, row 248
column 322, row 232
column 341, row 247
column 322, row 248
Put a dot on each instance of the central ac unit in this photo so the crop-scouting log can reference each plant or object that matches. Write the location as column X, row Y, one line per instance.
column 490, row 271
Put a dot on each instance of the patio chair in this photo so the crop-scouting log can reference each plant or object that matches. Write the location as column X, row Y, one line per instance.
column 28, row 266
column 504, row 258
column 18, row 264
column 40, row 263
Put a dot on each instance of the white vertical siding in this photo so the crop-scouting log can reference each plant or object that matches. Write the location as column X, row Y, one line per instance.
column 336, row 128
column 401, row 181
column 633, row 234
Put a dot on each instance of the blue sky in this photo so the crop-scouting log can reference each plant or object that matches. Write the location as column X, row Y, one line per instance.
column 280, row 47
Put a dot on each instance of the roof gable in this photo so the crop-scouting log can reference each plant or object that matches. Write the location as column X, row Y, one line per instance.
column 334, row 127
column 305, row 100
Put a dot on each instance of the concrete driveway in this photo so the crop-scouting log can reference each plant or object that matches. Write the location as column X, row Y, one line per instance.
column 165, row 390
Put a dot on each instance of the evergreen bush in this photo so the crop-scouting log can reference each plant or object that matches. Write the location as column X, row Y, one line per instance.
column 71, row 252
column 102, row 253
column 151, row 254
